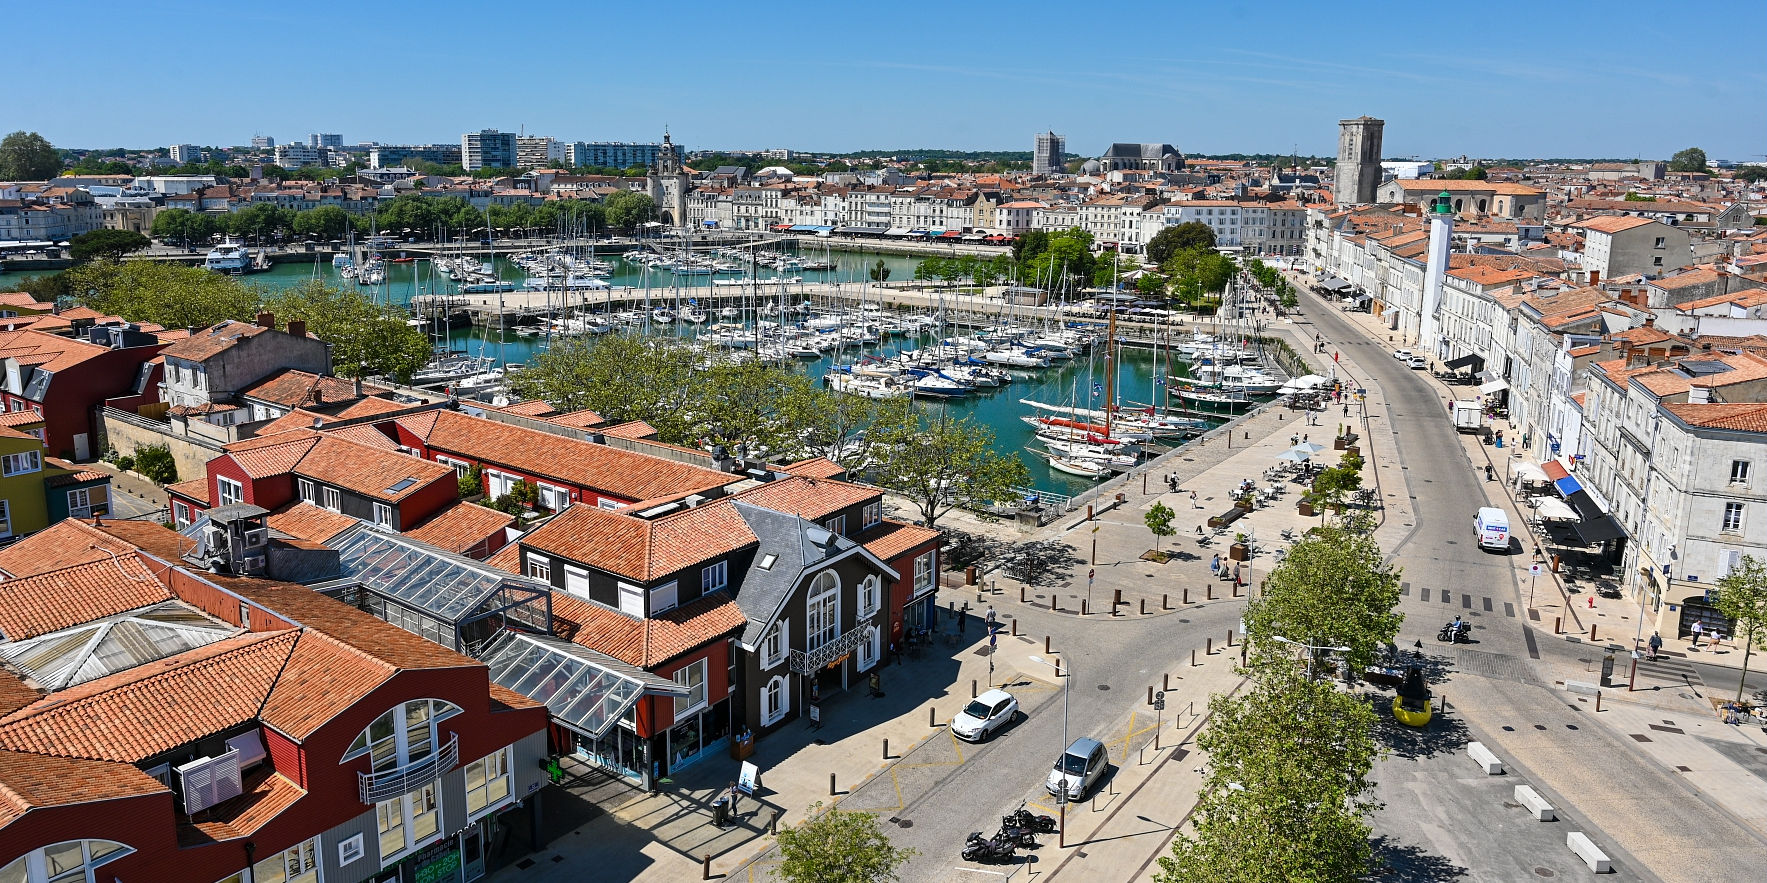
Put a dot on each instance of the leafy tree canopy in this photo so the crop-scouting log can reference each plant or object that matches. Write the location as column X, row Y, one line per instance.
column 1692, row 159
column 1742, row 598
column 28, row 156
column 939, row 462
column 106, row 244
column 1333, row 589
column 839, row 847
column 1187, row 236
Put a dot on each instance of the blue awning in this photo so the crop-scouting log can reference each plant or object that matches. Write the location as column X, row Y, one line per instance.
column 1568, row 486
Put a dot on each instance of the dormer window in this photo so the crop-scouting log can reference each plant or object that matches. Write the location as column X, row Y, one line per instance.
column 72, row 861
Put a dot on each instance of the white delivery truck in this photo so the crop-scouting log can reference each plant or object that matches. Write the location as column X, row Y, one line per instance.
column 1492, row 528
column 1467, row 417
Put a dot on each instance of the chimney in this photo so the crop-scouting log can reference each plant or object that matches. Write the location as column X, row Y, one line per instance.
column 1650, row 320
column 358, row 386
column 297, row 327
column 267, row 320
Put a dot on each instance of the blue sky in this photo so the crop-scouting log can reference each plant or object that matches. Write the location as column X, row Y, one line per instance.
column 1616, row 79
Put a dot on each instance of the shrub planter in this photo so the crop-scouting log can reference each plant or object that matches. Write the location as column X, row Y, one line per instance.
column 1353, row 451
column 1339, row 443
column 1239, row 552
column 1305, row 508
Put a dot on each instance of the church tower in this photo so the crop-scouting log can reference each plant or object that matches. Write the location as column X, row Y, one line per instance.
column 668, row 184
column 1358, row 168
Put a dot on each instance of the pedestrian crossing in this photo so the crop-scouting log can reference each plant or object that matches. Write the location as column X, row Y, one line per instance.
column 1467, row 601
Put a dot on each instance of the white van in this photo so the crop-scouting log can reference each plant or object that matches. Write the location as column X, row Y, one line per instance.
column 1492, row 527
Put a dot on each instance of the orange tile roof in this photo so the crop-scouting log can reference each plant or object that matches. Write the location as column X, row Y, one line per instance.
column 1612, row 223
column 376, row 638
column 52, row 600
column 323, row 678
column 309, row 522
column 16, row 419
column 213, row 340
column 817, row 467
column 635, row 429
column 890, row 538
column 195, row 488
column 293, row 388
column 270, row 455
column 371, row 406
column 135, row 714
column 365, row 434
column 639, row 548
column 15, row 693
column 585, row 464
column 461, row 527
column 267, row 794
column 1745, row 416
column 809, row 498
column 32, row 781
column 368, row 470
column 534, row 408
column 646, row 643
column 579, row 419
column 62, row 544
column 50, row 352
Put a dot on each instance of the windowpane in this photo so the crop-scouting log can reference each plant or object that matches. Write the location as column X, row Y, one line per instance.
column 63, row 857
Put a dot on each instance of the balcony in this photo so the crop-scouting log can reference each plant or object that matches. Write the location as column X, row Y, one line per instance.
column 376, row 787
column 815, row 660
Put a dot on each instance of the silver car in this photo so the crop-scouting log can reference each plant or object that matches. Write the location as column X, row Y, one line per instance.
column 1078, row 769
column 984, row 715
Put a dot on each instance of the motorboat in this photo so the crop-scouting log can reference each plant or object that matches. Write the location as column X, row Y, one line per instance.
column 230, row 257
column 662, row 315
column 730, row 313
column 693, row 315
column 869, row 387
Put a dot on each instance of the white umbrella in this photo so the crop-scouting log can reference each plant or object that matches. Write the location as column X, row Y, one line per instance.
column 1554, row 509
column 1308, row 448
column 1293, row 456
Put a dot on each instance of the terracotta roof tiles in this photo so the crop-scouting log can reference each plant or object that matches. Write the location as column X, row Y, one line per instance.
column 1612, row 223
column 52, row 600
column 212, row 341
column 309, row 522
column 889, row 538
column 809, row 498
column 1748, row 416
column 646, row 643
column 817, row 467
column 460, row 527
column 292, row 388
column 585, row 464
column 638, row 548
column 31, row 781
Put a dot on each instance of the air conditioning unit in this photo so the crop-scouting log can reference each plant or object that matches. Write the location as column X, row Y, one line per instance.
column 254, row 564
column 214, row 540
column 208, row 781
column 256, row 537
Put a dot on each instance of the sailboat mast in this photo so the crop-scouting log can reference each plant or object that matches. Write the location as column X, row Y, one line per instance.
column 1110, row 372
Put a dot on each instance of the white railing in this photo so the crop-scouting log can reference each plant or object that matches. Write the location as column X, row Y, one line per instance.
column 376, row 787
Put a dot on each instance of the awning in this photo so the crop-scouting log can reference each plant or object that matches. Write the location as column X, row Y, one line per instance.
column 1333, row 283
column 1529, row 472
column 1554, row 509
column 896, row 231
column 1598, row 530
column 1471, row 361
column 1568, row 486
column 584, row 690
column 1493, row 386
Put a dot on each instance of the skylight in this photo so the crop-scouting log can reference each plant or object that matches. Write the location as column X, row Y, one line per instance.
column 402, row 484
column 93, row 650
column 767, row 561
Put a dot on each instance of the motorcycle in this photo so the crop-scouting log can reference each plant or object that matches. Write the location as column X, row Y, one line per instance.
column 1453, row 634
column 1024, row 818
column 996, row 849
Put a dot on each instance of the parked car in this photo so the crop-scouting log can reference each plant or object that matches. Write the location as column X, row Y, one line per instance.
column 1402, row 355
column 1078, row 769
column 1418, row 363
column 983, row 715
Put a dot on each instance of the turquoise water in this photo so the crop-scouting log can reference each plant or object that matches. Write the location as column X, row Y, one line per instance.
column 999, row 409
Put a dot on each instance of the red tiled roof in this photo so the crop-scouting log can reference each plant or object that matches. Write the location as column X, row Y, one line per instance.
column 324, row 676
column 292, row 388
column 309, row 522
column 50, row 352
column 817, row 467
column 16, row 419
column 272, row 454
column 32, row 781
column 371, row 406
column 625, row 637
column 636, row 430
column 195, row 489
column 367, row 470
column 461, row 527
column 49, row 601
column 578, row 419
column 267, row 794
column 890, row 538
column 212, row 340
column 1747, row 416
column 809, row 498
column 534, row 408
column 638, row 548
column 1612, row 223
column 135, row 714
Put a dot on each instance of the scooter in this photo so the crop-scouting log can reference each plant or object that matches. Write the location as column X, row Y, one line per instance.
column 1455, row 634
column 996, row 849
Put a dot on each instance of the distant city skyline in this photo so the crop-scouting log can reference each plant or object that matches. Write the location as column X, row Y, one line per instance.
column 1551, row 81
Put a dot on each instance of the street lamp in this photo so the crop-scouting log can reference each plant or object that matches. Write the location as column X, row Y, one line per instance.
column 1061, row 795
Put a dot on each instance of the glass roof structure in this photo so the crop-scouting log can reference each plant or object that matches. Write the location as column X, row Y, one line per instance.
column 103, row 647
column 584, row 690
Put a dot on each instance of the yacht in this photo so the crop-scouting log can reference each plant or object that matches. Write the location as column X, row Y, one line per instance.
column 230, row 257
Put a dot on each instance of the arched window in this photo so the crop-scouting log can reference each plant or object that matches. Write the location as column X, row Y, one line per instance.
column 775, row 701
column 822, row 608
column 404, row 735
column 1481, row 205
column 70, row 862
column 869, row 648
column 869, row 596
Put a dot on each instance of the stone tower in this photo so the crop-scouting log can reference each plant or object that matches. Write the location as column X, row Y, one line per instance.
column 668, row 184
column 1358, row 170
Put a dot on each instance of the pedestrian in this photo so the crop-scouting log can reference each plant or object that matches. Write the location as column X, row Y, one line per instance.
column 733, row 792
column 1697, row 628
column 993, row 619
column 1656, row 644
column 1215, row 564
column 1193, row 503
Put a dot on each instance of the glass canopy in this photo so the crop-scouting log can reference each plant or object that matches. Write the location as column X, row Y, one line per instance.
column 103, row 647
column 585, row 690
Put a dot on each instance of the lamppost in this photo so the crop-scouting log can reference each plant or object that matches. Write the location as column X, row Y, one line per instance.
column 1061, row 795
column 1282, row 640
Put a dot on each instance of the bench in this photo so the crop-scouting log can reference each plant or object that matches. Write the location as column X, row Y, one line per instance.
column 1534, row 803
column 1589, row 852
column 1581, row 687
column 1484, row 758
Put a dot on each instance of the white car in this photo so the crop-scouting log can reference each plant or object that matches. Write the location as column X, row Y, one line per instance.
column 984, row 715
column 1417, row 363
column 1402, row 355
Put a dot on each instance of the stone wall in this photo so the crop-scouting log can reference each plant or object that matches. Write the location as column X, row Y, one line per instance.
column 126, row 432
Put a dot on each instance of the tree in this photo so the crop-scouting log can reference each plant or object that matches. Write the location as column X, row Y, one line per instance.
column 322, row 223
column 831, row 423
column 155, row 463
column 1742, row 598
column 940, row 463
column 880, row 273
column 28, row 156
column 839, row 847
column 184, row 226
column 261, row 222
column 108, row 245
column 747, row 407
column 1752, row 174
column 365, row 338
column 1286, row 794
column 1029, row 244
column 1692, row 159
column 1197, row 273
column 1474, row 172
column 1179, row 237
column 165, row 294
column 1068, row 260
column 1159, row 522
column 627, row 209
column 1333, row 589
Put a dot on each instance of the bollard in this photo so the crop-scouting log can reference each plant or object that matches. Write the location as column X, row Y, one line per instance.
column 932, row 716
column 1209, row 592
column 1208, row 646
column 1058, row 667
column 1236, row 588
column 1592, row 631
column 1015, row 626
column 1021, row 594
column 1165, row 601
column 1444, row 708
column 1557, row 622
column 1166, row 681
column 1193, row 657
column 886, row 749
column 831, row 791
column 1088, row 511
column 1150, row 694
column 1143, row 606
column 705, row 867
column 1598, row 701
column 972, row 688
column 1082, row 606
column 1186, row 596
column 1046, row 645
column 773, row 823
column 1242, row 653
column 1230, row 637
column 1116, row 600
column 1052, row 601
column 1632, row 679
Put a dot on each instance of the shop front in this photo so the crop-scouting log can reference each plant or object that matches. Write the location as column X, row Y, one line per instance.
column 693, row 737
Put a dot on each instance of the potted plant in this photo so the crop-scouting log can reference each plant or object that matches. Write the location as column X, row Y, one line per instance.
column 1305, row 506
column 1239, row 551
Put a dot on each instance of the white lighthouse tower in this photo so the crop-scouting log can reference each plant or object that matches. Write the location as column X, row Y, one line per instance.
column 1436, row 267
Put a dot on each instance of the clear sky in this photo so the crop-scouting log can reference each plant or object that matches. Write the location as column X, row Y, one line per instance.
column 1612, row 79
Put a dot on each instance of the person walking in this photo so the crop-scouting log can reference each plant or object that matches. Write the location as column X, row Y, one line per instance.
column 1655, row 644
column 1697, row 628
column 1193, row 503
column 993, row 619
column 733, row 793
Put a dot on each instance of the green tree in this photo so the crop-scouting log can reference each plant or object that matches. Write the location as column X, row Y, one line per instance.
column 879, row 272
column 1179, row 237
column 261, row 222
column 621, row 378
column 1692, row 159
column 1029, row 244
column 155, row 463
column 1197, row 274
column 830, row 423
column 838, row 847
column 747, row 408
column 627, row 209
column 1742, row 598
column 1751, row 174
column 169, row 295
column 28, row 156
column 1068, row 261
column 1286, row 796
column 366, row 339
column 1159, row 523
column 185, row 227
column 1636, row 197
column 938, row 462
column 1474, row 173
column 473, row 482
column 323, row 223
column 108, row 245
column 1333, row 588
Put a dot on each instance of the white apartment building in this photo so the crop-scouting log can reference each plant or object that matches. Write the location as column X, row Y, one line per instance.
column 294, row 155
column 185, row 153
column 1618, row 245
column 1225, row 217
